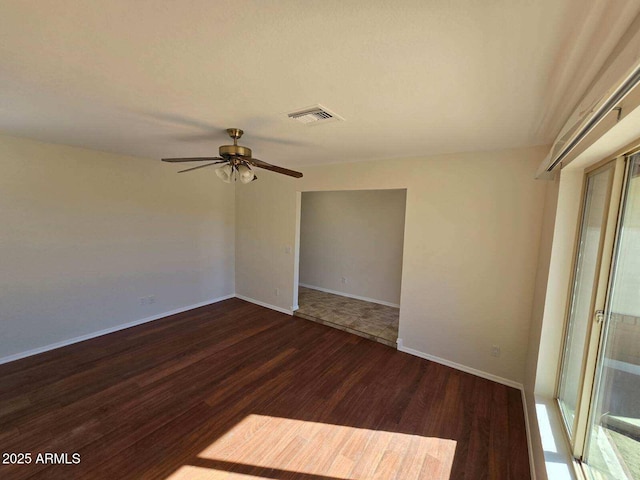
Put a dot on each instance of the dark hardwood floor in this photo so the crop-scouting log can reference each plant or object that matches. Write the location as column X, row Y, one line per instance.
column 234, row 390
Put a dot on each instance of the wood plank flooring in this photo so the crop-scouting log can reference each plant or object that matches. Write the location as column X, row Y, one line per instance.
column 234, row 390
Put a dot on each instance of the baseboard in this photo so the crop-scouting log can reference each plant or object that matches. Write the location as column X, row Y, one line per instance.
column 527, row 427
column 458, row 366
column 488, row 376
column 357, row 297
column 106, row 331
column 263, row 304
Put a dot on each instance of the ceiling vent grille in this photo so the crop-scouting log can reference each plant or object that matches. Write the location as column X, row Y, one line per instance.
column 314, row 115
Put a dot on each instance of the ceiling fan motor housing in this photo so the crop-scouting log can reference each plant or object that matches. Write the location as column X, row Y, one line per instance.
column 234, row 150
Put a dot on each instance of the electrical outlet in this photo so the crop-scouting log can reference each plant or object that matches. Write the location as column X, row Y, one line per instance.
column 287, row 250
column 277, row 292
column 495, row 350
column 152, row 299
column 143, row 300
column 343, row 280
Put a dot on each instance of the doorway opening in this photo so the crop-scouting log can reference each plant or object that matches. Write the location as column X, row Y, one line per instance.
column 350, row 261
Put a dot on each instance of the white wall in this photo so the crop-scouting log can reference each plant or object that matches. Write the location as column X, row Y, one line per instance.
column 560, row 261
column 542, row 281
column 85, row 234
column 357, row 235
column 555, row 264
column 471, row 242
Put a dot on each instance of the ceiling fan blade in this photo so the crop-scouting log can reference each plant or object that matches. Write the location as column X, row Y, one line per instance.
column 274, row 168
column 193, row 159
column 199, row 166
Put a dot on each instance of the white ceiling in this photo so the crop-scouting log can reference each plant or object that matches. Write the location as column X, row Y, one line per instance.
column 163, row 78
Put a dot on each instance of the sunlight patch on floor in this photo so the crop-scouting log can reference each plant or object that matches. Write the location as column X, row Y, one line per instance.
column 201, row 473
column 269, row 447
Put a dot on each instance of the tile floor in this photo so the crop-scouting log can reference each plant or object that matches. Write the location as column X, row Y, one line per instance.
column 370, row 320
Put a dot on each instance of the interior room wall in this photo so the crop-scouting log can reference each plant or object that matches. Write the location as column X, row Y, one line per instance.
column 535, row 329
column 560, row 221
column 85, row 235
column 472, row 232
column 351, row 242
column 560, row 267
column 542, row 278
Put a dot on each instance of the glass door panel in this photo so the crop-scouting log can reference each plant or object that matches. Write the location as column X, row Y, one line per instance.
column 613, row 444
column 586, row 269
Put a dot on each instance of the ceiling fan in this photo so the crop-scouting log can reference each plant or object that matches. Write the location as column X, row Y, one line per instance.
column 238, row 159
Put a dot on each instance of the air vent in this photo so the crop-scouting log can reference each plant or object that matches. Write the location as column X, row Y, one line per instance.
column 314, row 115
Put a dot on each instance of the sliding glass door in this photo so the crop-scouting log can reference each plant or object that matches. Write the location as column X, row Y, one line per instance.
column 585, row 279
column 613, row 443
column 599, row 380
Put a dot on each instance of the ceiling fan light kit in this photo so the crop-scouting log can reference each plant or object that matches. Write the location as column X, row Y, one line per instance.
column 245, row 173
column 225, row 173
column 230, row 173
column 238, row 162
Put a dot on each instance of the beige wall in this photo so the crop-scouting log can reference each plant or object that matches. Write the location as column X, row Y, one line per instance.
column 471, row 242
column 551, row 325
column 85, row 234
column 535, row 329
column 542, row 279
column 357, row 235
column 562, row 207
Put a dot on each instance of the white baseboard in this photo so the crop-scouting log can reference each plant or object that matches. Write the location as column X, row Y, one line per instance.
column 357, row 297
column 106, row 331
column 488, row 376
column 527, row 427
column 458, row 366
column 266, row 305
